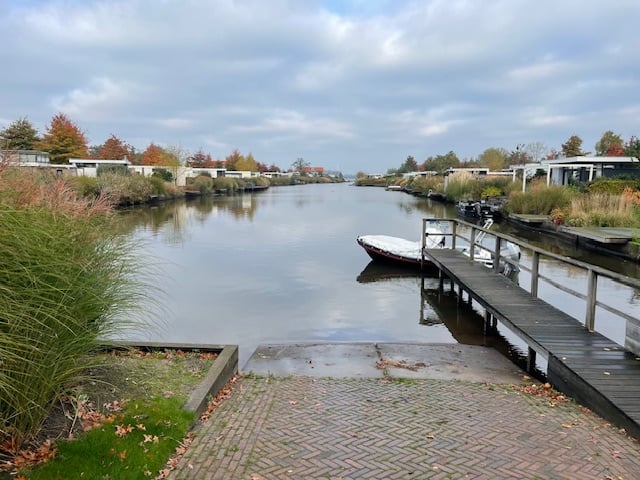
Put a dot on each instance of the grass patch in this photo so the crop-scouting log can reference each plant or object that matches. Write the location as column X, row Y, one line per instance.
column 132, row 397
column 131, row 444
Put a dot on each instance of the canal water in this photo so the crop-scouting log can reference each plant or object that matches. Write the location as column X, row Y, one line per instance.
column 283, row 266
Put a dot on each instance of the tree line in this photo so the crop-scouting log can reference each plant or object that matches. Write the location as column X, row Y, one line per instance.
column 496, row 159
column 63, row 140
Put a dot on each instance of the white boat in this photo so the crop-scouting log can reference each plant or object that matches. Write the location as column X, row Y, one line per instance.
column 408, row 253
column 400, row 251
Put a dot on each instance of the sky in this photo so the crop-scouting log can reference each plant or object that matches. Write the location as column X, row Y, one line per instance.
column 353, row 85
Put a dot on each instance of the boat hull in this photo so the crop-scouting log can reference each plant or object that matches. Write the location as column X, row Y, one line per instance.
column 381, row 255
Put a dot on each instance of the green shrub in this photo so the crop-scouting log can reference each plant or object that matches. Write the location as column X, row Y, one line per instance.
column 86, row 186
column 203, row 183
column 612, row 186
column 163, row 173
column 229, row 184
column 158, row 185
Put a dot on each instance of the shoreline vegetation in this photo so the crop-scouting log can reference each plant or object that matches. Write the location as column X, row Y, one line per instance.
column 128, row 189
column 604, row 202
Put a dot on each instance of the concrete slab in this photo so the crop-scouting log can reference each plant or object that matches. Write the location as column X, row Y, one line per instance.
column 448, row 362
column 399, row 360
column 339, row 360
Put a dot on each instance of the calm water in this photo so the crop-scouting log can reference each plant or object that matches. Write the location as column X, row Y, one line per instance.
column 283, row 266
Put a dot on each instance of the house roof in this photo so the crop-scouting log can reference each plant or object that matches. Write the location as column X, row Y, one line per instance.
column 590, row 160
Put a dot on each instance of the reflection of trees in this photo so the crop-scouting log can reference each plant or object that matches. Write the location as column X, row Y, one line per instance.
column 170, row 218
column 428, row 207
column 166, row 219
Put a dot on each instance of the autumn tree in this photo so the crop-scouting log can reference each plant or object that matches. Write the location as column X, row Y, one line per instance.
column 63, row 140
column 610, row 144
column 572, row 147
column 273, row 168
column 114, row 149
column 495, row 159
column 19, row 135
column 200, row 160
column 247, row 163
column 153, row 155
column 232, row 159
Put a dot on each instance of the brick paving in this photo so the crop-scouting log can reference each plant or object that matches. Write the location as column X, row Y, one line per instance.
column 366, row 428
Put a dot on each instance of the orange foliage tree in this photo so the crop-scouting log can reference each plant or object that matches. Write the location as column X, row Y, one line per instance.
column 153, row 155
column 115, row 149
column 63, row 140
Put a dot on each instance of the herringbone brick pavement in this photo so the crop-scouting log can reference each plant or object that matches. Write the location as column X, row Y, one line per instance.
column 324, row 428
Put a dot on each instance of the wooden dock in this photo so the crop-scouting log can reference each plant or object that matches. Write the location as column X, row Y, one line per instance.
column 586, row 366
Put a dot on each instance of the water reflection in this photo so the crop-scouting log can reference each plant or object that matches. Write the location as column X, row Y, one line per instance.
column 280, row 266
column 442, row 307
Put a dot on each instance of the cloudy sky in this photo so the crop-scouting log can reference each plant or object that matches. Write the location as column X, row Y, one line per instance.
column 345, row 84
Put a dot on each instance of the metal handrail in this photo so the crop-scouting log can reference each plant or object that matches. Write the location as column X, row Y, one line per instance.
column 593, row 271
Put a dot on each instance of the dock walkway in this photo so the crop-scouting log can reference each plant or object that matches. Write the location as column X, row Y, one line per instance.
column 587, row 366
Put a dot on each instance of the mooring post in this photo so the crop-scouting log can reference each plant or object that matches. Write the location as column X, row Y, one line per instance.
column 487, row 321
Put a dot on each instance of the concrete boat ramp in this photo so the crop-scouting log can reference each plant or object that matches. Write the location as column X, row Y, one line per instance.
column 380, row 360
column 399, row 411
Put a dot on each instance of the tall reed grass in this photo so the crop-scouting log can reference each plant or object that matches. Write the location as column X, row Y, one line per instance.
column 67, row 285
column 603, row 210
column 539, row 200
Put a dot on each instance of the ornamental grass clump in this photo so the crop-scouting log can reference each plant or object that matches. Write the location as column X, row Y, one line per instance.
column 604, row 210
column 66, row 283
column 539, row 200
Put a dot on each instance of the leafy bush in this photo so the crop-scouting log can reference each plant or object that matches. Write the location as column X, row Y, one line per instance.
column 163, row 173
column 86, row 186
column 612, row 186
column 203, row 183
column 225, row 183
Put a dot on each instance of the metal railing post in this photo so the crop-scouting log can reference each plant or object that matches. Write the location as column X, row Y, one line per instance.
column 592, row 287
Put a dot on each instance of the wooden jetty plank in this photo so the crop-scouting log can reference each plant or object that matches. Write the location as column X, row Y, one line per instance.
column 588, row 366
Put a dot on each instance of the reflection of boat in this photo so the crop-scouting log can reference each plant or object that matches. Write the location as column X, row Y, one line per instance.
column 383, row 271
column 400, row 251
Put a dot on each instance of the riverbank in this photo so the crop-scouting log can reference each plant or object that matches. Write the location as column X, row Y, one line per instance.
column 620, row 243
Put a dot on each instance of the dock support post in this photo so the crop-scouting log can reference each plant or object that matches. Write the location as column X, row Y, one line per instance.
column 487, row 322
column 440, row 281
column 531, row 360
